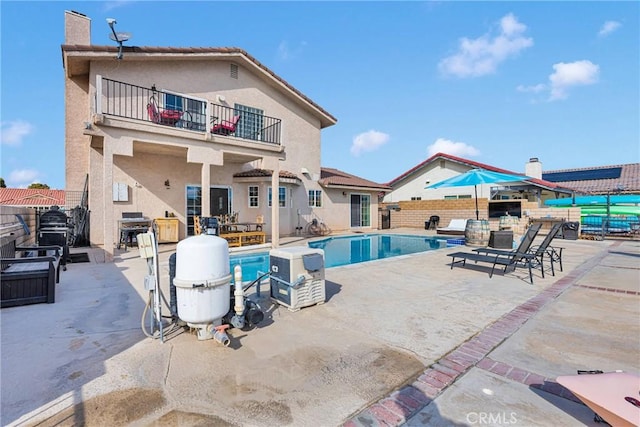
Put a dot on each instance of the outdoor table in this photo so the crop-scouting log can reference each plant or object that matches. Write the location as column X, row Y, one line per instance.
column 605, row 394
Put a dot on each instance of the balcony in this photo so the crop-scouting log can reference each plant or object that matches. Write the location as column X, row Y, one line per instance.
column 172, row 109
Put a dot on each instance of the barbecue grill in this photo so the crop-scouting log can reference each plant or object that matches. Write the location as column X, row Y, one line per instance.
column 54, row 229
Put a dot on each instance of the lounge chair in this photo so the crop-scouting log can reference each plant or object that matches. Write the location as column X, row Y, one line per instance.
column 456, row 226
column 516, row 258
column 537, row 251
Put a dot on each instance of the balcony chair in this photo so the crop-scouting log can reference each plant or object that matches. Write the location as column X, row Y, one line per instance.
column 226, row 127
column 164, row 117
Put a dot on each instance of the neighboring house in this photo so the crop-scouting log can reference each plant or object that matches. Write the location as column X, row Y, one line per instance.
column 614, row 179
column 154, row 128
column 37, row 198
column 411, row 184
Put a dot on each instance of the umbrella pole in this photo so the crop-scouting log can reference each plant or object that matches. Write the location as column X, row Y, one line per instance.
column 475, row 188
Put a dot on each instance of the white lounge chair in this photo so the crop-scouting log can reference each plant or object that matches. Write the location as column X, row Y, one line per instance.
column 456, row 226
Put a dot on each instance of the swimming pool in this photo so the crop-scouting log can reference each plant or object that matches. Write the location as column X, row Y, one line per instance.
column 345, row 250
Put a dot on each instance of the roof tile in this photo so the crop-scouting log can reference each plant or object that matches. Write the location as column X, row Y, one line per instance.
column 31, row 197
column 330, row 176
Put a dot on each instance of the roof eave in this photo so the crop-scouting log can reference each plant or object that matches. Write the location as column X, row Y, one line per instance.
column 94, row 52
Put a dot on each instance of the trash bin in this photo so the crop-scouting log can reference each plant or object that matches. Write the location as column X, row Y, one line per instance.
column 570, row 230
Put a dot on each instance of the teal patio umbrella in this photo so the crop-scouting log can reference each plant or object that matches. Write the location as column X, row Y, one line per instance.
column 475, row 177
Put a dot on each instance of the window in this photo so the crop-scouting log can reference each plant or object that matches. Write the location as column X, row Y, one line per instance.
column 253, row 196
column 194, row 206
column 315, row 198
column 195, row 113
column 459, row 196
column 416, row 198
column 282, row 197
column 251, row 122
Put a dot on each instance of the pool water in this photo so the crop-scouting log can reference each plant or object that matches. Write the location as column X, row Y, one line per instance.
column 253, row 265
column 346, row 250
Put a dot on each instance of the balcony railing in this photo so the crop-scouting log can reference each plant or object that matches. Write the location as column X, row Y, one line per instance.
column 176, row 110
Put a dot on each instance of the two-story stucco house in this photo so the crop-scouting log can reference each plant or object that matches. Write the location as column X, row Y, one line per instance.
column 198, row 132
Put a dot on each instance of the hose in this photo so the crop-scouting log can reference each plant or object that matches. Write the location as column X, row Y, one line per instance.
column 258, row 280
column 171, row 326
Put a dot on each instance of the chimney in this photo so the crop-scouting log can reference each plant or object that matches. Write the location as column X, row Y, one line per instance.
column 533, row 168
column 77, row 28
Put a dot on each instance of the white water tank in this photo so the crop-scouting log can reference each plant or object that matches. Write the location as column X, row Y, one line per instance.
column 203, row 281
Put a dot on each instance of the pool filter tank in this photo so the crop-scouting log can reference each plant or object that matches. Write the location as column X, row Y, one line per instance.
column 202, row 282
column 297, row 276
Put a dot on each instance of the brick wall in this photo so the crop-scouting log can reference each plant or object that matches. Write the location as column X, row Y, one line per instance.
column 414, row 213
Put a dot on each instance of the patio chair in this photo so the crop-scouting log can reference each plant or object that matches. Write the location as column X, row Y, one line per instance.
column 164, row 117
column 537, row 251
column 432, row 223
column 516, row 258
column 226, row 127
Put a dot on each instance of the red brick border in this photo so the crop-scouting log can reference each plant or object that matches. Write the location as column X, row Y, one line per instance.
column 617, row 291
column 402, row 404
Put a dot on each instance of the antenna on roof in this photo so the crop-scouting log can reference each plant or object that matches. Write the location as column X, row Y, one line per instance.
column 117, row 37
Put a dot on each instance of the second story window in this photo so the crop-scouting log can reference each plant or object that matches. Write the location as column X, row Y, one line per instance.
column 251, row 122
column 253, row 196
column 194, row 110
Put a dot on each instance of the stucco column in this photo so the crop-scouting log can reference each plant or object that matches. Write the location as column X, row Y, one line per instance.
column 112, row 147
column 275, row 205
column 205, row 178
column 109, row 222
column 207, row 157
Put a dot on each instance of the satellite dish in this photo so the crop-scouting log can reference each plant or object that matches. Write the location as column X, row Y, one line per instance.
column 117, row 37
column 120, row 37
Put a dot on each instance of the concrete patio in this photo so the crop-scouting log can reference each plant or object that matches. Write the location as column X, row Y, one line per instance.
column 405, row 340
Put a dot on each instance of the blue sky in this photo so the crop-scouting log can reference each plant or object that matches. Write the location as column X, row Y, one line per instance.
column 495, row 82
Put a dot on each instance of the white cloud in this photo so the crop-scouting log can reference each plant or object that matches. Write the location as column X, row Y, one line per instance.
column 481, row 56
column 566, row 75
column 14, row 132
column 285, row 52
column 451, row 147
column 368, row 141
column 22, row 178
column 115, row 4
column 609, row 27
column 533, row 89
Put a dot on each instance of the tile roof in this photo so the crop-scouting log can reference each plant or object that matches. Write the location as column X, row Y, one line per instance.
column 196, row 51
column 31, row 197
column 473, row 164
column 628, row 182
column 262, row 173
column 335, row 177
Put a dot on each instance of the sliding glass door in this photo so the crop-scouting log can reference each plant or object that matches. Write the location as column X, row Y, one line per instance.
column 360, row 210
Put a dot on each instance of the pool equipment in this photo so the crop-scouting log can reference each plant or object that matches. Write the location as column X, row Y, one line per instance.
column 203, row 285
column 210, row 225
column 297, row 276
column 159, row 327
column 200, row 289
